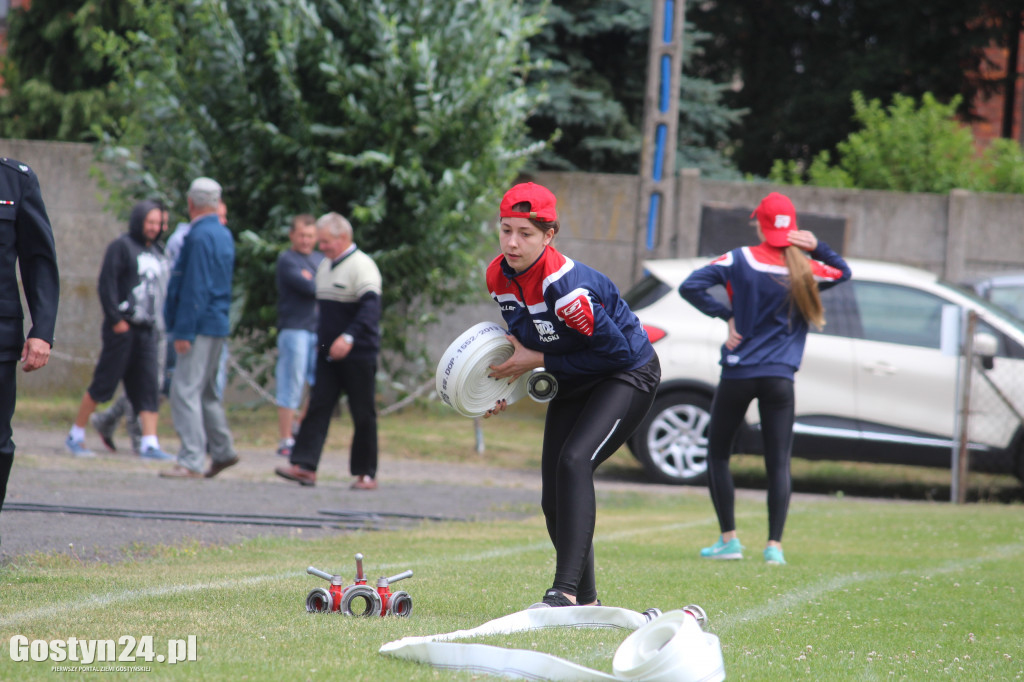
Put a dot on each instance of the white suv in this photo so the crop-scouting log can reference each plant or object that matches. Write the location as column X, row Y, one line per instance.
column 877, row 385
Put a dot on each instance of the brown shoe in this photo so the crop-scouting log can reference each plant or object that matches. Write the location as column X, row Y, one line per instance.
column 217, row 467
column 294, row 472
column 364, row 483
column 178, row 471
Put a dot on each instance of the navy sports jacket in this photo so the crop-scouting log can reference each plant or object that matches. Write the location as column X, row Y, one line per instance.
column 571, row 313
column 773, row 331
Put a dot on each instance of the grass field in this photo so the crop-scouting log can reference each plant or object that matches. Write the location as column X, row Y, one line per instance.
column 874, row 589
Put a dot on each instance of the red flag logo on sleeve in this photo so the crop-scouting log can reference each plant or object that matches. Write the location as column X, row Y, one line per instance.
column 576, row 310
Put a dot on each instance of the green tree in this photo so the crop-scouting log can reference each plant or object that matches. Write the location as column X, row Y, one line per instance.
column 910, row 147
column 57, row 88
column 405, row 116
column 796, row 63
column 590, row 89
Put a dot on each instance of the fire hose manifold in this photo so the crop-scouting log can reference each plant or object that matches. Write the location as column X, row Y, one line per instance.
column 359, row 599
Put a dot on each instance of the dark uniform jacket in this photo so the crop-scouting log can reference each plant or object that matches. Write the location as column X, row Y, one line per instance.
column 25, row 237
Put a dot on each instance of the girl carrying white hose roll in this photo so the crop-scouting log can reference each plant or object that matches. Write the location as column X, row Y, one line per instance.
column 569, row 319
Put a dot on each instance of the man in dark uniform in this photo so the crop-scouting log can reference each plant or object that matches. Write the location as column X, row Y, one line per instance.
column 25, row 237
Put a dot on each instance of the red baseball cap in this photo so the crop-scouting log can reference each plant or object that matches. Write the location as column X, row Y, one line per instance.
column 542, row 202
column 777, row 218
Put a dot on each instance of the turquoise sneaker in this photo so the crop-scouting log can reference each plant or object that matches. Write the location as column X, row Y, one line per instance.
column 773, row 556
column 723, row 550
column 157, row 454
column 77, row 447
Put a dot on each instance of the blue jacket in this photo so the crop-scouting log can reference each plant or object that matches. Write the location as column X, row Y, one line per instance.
column 199, row 293
column 571, row 313
column 773, row 330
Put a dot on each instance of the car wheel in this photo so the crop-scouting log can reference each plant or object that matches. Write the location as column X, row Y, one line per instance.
column 672, row 441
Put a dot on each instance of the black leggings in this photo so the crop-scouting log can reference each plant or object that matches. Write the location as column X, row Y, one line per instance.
column 580, row 432
column 775, row 403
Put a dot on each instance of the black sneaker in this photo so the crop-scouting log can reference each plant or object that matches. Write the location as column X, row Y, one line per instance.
column 552, row 598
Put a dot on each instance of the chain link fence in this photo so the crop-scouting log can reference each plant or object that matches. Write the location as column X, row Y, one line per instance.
column 991, row 405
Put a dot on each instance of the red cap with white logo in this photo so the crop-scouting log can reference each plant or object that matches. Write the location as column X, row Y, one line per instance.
column 777, row 218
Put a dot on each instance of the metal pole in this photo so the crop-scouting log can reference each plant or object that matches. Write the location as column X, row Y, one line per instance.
column 478, row 429
column 961, row 454
column 656, row 201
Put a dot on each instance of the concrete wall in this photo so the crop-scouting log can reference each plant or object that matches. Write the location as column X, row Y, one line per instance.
column 82, row 228
column 958, row 235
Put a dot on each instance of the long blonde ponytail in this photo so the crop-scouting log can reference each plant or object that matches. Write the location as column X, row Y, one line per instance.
column 803, row 289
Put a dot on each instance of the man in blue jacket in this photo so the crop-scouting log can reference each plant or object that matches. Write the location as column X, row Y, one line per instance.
column 196, row 315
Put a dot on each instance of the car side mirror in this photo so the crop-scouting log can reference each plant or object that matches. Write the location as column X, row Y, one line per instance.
column 985, row 347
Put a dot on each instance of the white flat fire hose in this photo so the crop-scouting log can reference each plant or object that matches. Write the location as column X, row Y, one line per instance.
column 461, row 378
column 670, row 648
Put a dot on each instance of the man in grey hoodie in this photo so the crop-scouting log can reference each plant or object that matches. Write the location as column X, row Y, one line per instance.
column 129, row 290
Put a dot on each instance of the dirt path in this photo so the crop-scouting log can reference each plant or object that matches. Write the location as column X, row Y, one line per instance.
column 44, row 474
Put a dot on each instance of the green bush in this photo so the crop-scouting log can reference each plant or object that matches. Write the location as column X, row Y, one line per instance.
column 407, row 117
column 910, row 146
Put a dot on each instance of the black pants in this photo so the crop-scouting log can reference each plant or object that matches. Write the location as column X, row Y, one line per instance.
column 580, row 432
column 355, row 378
column 776, row 406
column 132, row 357
column 8, row 394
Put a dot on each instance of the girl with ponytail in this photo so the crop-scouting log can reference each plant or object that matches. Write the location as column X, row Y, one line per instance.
column 773, row 290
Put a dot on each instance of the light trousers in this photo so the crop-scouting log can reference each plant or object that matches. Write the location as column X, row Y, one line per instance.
column 196, row 408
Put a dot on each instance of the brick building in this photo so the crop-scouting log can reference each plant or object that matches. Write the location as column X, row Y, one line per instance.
column 5, row 7
column 1003, row 110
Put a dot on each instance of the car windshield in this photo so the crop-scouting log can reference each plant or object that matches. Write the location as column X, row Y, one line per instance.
column 645, row 292
column 993, row 308
column 1009, row 298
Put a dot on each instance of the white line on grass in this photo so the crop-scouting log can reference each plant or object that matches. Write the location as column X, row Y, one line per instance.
column 103, row 600
column 806, row 594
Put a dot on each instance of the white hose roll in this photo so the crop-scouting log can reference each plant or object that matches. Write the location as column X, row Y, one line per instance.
column 461, row 378
column 671, row 648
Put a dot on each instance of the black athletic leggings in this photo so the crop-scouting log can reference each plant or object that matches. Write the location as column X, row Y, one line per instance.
column 580, row 432
column 775, row 403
